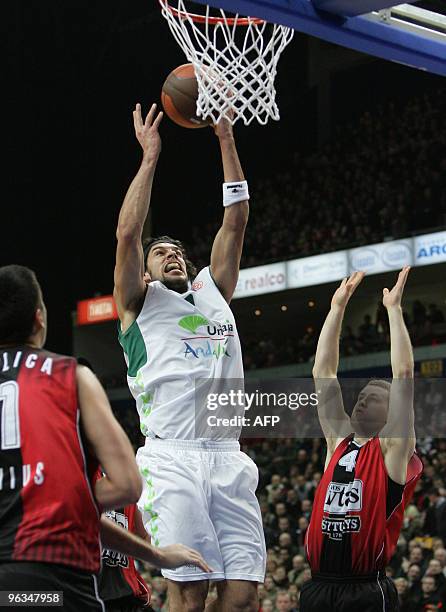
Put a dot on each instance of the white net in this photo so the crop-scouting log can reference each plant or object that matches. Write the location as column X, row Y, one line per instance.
column 235, row 61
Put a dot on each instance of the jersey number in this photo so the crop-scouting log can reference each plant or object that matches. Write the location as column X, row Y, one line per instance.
column 349, row 461
column 9, row 410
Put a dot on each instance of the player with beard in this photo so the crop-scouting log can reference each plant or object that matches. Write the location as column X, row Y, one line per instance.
column 176, row 328
column 371, row 470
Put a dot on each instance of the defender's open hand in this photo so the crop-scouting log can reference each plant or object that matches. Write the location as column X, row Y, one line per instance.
column 177, row 555
column 346, row 289
column 393, row 298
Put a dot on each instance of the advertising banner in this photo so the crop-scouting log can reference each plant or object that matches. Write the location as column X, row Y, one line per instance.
column 261, row 279
column 430, row 249
column 382, row 257
column 317, row 269
column 96, row 310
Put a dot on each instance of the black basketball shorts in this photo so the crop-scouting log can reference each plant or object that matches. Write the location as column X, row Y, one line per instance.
column 349, row 594
column 80, row 590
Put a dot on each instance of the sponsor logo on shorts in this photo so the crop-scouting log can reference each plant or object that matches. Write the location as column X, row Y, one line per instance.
column 343, row 497
column 335, row 528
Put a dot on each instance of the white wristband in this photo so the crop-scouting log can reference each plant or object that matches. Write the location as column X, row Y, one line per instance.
column 235, row 192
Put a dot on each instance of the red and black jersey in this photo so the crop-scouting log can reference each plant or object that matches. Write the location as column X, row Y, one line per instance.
column 119, row 577
column 357, row 511
column 47, row 508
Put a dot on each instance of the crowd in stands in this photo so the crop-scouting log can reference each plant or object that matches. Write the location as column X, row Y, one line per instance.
column 426, row 324
column 381, row 177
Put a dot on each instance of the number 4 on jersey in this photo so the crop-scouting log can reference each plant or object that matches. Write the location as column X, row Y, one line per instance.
column 349, row 461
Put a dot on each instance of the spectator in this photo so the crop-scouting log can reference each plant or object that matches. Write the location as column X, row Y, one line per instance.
column 434, row 569
column 416, row 555
column 267, row 606
column 298, row 562
column 307, row 508
column 285, row 541
column 402, row 588
column 440, row 555
column 270, row 586
column 304, row 577
column 302, row 523
column 414, row 580
column 283, row 525
column 280, row 577
column 274, row 487
column 283, row 602
column 435, row 522
column 429, row 599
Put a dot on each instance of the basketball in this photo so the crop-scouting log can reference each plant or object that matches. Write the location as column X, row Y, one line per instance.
column 179, row 97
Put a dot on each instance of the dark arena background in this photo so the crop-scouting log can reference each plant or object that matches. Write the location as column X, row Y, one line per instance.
column 355, row 167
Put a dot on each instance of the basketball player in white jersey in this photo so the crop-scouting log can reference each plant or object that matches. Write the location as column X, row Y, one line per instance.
column 175, row 329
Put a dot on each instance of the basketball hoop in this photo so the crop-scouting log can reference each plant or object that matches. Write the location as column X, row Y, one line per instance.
column 234, row 58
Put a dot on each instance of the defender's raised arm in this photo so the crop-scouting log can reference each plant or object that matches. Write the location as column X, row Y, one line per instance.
column 334, row 421
column 228, row 243
column 398, row 436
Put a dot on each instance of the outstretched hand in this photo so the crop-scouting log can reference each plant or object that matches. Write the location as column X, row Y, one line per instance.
column 177, row 555
column 393, row 297
column 147, row 132
column 346, row 289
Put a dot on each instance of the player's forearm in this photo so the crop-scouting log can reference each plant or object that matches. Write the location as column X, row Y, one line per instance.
column 115, row 537
column 236, row 216
column 136, row 203
column 400, row 345
column 232, row 168
column 110, row 494
column 327, row 353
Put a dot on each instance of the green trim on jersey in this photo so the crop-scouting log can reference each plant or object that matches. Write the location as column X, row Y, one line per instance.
column 134, row 347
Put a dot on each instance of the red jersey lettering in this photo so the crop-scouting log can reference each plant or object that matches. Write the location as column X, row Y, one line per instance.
column 47, row 509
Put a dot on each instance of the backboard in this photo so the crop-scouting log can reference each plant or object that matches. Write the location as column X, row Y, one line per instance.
column 405, row 34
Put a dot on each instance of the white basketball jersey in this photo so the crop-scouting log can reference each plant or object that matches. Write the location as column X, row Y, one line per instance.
column 176, row 340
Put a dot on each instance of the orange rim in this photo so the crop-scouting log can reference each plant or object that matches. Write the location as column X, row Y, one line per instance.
column 240, row 21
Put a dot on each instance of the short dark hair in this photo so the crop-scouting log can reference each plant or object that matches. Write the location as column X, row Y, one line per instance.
column 383, row 384
column 148, row 243
column 20, row 296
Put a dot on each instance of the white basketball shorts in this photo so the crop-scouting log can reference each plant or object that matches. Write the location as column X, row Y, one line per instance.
column 202, row 494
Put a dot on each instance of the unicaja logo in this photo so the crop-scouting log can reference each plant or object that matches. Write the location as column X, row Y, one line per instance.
column 210, row 343
column 192, row 322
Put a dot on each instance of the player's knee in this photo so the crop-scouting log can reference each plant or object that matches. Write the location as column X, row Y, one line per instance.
column 190, row 605
column 193, row 600
column 245, row 602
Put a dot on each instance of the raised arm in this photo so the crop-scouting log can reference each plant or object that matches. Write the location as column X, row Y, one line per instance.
column 228, row 243
column 334, row 421
column 129, row 269
column 398, row 436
